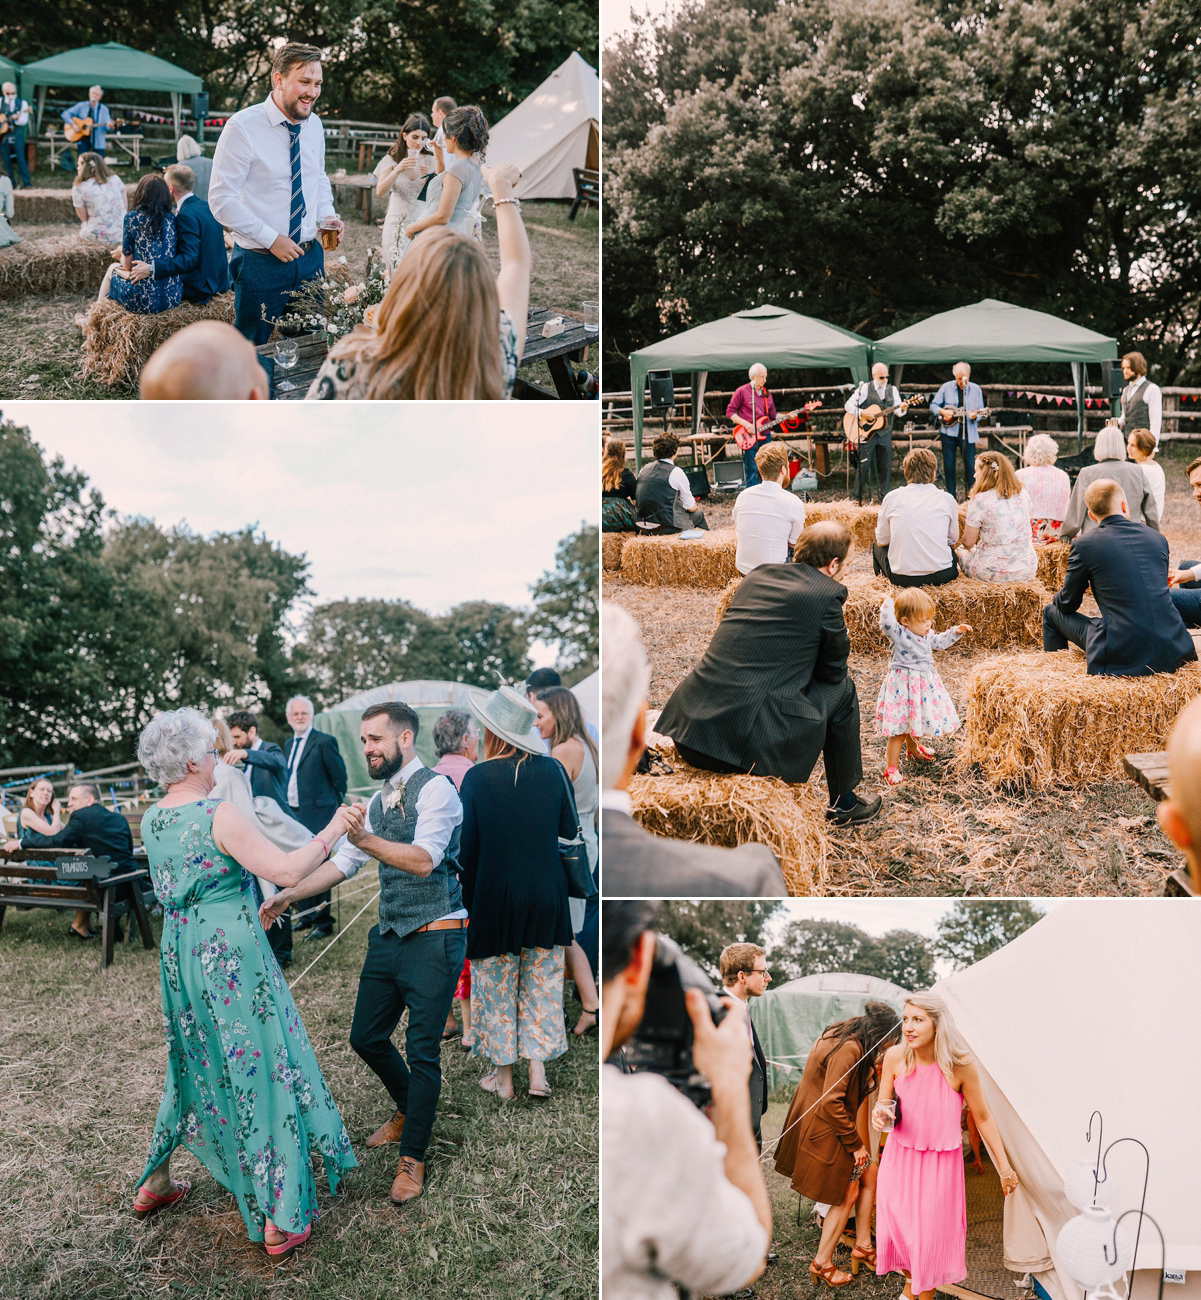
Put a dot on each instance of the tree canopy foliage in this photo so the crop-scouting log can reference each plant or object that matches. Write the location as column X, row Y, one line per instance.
column 975, row 928
column 703, row 929
column 809, row 947
column 872, row 162
column 383, row 60
column 566, row 611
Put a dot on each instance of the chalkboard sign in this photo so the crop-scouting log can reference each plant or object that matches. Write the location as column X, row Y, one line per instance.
column 83, row 868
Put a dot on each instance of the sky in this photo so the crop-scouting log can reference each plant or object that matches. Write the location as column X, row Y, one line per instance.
column 617, row 15
column 434, row 504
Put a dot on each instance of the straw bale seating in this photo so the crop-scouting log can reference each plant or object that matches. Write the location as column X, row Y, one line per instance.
column 611, row 544
column 731, row 810
column 706, row 561
column 49, row 206
column 861, row 520
column 1038, row 720
column 1003, row 614
column 59, row 264
column 118, row 343
column 1053, row 564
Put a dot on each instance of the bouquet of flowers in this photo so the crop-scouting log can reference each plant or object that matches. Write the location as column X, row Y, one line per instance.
column 334, row 305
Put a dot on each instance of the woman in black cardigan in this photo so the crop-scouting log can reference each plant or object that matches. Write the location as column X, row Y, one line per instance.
column 517, row 805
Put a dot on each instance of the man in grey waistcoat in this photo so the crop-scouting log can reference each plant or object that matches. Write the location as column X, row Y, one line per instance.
column 415, row 953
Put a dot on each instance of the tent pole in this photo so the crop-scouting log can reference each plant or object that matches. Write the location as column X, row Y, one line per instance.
column 638, row 395
column 41, row 107
column 698, row 400
column 1078, row 377
column 176, row 110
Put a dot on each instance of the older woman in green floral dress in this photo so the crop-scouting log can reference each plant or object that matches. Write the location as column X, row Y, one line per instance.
column 243, row 1090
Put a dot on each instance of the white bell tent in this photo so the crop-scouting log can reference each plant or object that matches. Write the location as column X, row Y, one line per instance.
column 554, row 129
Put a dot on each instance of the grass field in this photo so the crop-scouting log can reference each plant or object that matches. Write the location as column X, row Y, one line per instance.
column 945, row 832
column 510, row 1210
column 40, row 345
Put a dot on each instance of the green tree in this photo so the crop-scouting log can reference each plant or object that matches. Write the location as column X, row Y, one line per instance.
column 810, row 947
column 566, row 603
column 490, row 643
column 908, row 959
column 703, row 929
column 974, row 928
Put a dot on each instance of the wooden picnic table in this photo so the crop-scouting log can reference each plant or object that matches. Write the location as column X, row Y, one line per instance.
column 555, row 351
column 364, row 193
column 1151, row 772
column 367, row 150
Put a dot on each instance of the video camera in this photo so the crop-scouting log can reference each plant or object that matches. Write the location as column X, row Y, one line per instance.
column 663, row 1041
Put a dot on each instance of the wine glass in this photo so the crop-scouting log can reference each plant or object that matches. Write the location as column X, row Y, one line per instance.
column 287, row 354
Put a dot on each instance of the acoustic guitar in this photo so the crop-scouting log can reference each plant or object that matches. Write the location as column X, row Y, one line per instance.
column 952, row 414
column 5, row 126
column 870, row 419
column 79, row 128
column 745, row 440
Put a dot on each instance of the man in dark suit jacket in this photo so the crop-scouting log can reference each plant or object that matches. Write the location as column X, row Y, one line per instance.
column 316, row 786
column 772, row 692
column 262, row 760
column 744, row 975
column 199, row 243
column 103, row 833
column 1140, row 631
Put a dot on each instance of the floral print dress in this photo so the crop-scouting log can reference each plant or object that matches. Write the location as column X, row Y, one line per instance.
column 243, row 1092
column 912, row 700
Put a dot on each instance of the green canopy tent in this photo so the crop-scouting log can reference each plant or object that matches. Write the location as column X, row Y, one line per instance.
column 9, row 70
column 773, row 335
column 990, row 330
column 790, row 1019
column 113, row 66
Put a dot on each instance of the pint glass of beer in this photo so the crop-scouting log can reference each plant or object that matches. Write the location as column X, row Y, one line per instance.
column 327, row 228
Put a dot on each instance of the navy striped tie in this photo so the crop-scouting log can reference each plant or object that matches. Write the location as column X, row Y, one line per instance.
column 296, row 213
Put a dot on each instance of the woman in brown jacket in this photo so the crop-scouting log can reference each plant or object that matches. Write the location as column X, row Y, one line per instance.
column 824, row 1145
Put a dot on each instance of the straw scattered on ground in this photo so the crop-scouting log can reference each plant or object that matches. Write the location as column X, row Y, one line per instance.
column 117, row 343
column 53, row 264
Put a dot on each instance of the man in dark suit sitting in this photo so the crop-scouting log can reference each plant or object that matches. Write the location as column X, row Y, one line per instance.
column 744, row 975
column 200, row 243
column 634, row 862
column 1140, row 631
column 103, row 833
column 772, row 691
column 316, row 786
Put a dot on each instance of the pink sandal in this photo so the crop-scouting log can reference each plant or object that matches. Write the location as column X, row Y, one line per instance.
column 290, row 1242
column 893, row 776
column 921, row 753
column 159, row 1202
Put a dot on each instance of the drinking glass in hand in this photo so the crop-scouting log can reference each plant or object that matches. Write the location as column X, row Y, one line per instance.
column 885, row 1116
column 287, row 354
column 331, row 237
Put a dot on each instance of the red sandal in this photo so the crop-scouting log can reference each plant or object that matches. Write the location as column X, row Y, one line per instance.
column 828, row 1274
column 291, row 1240
column 893, row 776
column 921, row 753
column 159, row 1202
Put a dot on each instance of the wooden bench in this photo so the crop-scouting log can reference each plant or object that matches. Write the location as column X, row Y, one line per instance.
column 1151, row 772
column 39, row 872
column 587, row 190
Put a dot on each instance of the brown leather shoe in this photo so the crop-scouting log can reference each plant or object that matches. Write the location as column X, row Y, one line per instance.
column 410, row 1180
column 388, row 1132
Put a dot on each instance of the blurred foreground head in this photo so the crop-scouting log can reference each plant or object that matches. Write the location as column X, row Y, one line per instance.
column 625, row 680
column 206, row 361
column 1180, row 816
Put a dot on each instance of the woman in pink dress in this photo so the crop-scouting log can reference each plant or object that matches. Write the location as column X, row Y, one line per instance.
column 921, row 1208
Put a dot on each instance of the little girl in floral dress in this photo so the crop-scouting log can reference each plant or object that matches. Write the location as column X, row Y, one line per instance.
column 913, row 701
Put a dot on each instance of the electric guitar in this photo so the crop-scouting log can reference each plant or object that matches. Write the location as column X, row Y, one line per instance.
column 870, row 419
column 763, row 426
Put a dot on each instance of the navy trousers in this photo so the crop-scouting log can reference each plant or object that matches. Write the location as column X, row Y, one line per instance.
column 13, row 148
column 750, row 471
column 948, row 462
column 420, row 972
column 262, row 284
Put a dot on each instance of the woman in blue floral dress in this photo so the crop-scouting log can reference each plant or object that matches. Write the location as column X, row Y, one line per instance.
column 243, row 1092
column 148, row 233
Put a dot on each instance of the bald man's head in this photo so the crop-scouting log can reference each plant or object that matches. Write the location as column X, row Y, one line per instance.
column 1180, row 816
column 206, row 361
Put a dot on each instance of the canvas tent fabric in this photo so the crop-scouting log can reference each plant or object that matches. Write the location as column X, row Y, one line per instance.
column 551, row 131
column 9, row 70
column 113, row 66
column 790, row 1018
column 773, row 335
column 1093, row 1008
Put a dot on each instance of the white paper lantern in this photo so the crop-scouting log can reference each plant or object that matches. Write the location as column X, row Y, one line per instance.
column 1080, row 1186
column 1085, row 1247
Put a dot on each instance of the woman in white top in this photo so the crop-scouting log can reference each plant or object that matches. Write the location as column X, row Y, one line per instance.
column 401, row 173
column 997, row 545
column 99, row 199
column 561, row 724
column 453, row 197
column 1050, row 488
column 1140, row 447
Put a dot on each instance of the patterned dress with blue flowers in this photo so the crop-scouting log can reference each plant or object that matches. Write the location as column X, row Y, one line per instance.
column 912, row 700
column 243, row 1092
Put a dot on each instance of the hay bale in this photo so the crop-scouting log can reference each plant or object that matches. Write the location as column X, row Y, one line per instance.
column 861, row 520
column 60, row 264
column 118, row 343
column 731, row 810
column 611, row 544
column 43, row 206
column 1038, row 720
column 1053, row 564
column 723, row 601
column 706, row 561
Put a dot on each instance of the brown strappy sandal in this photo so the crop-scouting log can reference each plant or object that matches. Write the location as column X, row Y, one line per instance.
column 863, row 1255
column 831, row 1275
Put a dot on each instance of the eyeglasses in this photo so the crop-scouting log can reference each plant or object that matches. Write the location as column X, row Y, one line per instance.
column 758, row 970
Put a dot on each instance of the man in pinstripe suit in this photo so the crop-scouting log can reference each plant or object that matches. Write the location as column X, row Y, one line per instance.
column 772, row 691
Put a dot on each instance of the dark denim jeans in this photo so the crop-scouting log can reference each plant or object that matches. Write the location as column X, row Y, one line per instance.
column 262, row 284
column 948, row 462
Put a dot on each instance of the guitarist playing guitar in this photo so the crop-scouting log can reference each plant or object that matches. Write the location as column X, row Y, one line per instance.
column 882, row 399
column 957, row 407
column 85, row 125
column 754, row 413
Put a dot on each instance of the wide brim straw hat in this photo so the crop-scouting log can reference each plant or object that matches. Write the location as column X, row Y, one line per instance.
column 508, row 715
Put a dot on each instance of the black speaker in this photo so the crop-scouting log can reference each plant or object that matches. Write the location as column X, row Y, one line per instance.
column 698, row 483
column 1112, row 382
column 663, row 389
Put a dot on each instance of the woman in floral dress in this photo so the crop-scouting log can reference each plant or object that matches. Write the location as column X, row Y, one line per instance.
column 243, row 1092
column 997, row 543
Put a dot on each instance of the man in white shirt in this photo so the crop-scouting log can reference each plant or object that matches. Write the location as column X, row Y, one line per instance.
column 1142, row 401
column 442, row 105
column 768, row 518
column 664, row 497
column 12, row 144
column 270, row 189
column 415, row 954
column 684, row 1200
column 877, row 392
column 917, row 528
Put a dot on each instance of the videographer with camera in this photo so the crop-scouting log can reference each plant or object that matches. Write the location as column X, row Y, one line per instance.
column 685, row 1203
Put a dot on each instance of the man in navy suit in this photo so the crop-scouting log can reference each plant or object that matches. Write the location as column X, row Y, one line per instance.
column 1140, row 631
column 262, row 760
column 316, row 785
column 200, row 243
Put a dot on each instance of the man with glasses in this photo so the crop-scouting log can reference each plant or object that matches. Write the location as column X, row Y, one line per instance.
column 744, row 975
